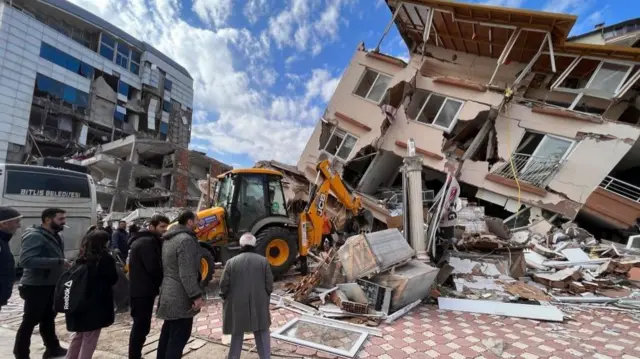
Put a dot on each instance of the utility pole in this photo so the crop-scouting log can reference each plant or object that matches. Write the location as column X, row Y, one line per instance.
column 413, row 205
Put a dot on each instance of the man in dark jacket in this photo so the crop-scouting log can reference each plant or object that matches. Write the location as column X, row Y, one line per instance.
column 180, row 294
column 9, row 224
column 145, row 278
column 120, row 239
column 42, row 257
column 246, row 287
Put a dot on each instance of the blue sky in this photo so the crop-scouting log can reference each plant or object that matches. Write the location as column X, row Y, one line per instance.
column 264, row 69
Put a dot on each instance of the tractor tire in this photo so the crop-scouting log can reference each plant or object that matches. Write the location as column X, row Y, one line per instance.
column 280, row 247
column 207, row 265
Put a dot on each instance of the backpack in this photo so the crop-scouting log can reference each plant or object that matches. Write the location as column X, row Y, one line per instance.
column 71, row 289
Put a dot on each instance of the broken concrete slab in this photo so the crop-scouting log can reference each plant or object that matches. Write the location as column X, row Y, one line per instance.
column 560, row 279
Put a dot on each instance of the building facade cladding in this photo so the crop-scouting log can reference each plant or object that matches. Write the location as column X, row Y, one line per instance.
column 444, row 102
column 33, row 53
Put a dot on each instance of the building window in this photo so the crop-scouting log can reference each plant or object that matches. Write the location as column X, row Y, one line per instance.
column 168, row 84
column 122, row 55
column 433, row 109
column 119, row 116
column 340, row 144
column 537, row 158
column 65, row 60
column 164, row 128
column 166, row 106
column 107, row 46
column 135, row 62
column 49, row 87
column 372, row 85
column 592, row 77
column 123, row 88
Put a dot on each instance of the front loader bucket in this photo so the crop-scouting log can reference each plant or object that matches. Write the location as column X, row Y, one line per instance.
column 364, row 220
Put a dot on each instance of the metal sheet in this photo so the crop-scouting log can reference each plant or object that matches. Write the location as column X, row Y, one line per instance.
column 538, row 312
column 326, row 337
column 389, row 248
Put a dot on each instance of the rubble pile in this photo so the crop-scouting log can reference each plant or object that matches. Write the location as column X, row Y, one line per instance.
column 534, row 265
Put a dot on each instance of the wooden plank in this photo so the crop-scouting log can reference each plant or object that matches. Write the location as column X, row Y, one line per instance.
column 538, row 312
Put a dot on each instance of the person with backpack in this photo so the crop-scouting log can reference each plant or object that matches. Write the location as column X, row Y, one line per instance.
column 145, row 278
column 85, row 294
column 42, row 259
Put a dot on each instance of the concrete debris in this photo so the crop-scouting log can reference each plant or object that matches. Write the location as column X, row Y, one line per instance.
column 496, row 346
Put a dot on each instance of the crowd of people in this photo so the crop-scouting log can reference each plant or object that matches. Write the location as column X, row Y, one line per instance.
column 163, row 263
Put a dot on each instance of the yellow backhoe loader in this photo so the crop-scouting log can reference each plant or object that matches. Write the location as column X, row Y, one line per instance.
column 252, row 200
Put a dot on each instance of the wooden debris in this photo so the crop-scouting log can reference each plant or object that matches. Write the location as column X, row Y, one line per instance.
column 526, row 291
column 560, row 279
column 307, row 283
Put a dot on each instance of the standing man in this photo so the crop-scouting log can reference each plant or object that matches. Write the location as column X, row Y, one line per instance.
column 145, row 278
column 246, row 287
column 119, row 240
column 180, row 294
column 9, row 224
column 42, row 257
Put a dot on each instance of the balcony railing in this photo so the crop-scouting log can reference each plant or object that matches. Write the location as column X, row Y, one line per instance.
column 621, row 188
column 533, row 170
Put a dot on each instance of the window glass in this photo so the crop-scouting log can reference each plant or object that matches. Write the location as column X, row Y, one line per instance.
column 166, row 106
column 123, row 49
column 276, row 197
column 448, row 113
column 106, row 39
column 106, row 52
column 34, row 182
column 118, row 116
column 86, row 70
column 379, row 88
column 333, row 145
column 48, row 52
column 70, row 62
column 123, row 88
column 251, row 201
column 164, row 128
column 82, row 99
column 347, row 146
column 69, row 95
column 167, row 85
column 122, row 60
column 224, row 192
column 366, row 83
column 135, row 68
column 417, row 102
column 608, row 77
column 135, row 56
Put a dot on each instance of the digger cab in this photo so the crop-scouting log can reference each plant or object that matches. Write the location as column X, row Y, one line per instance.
column 250, row 197
column 253, row 201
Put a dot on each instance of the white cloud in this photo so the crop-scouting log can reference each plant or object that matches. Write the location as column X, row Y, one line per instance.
column 321, row 84
column 213, row 12
column 255, row 9
column 308, row 25
column 575, row 7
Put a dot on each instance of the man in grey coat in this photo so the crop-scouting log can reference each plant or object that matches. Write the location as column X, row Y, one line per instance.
column 246, row 286
column 180, row 293
column 42, row 257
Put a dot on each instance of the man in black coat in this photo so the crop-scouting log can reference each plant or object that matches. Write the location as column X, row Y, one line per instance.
column 145, row 278
column 9, row 224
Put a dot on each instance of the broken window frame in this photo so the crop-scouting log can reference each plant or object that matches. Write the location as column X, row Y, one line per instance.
column 346, row 134
column 109, row 47
column 581, row 92
column 121, row 45
column 433, row 124
column 378, row 74
column 523, row 172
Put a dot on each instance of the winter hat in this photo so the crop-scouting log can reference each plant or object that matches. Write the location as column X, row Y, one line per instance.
column 248, row 239
column 8, row 214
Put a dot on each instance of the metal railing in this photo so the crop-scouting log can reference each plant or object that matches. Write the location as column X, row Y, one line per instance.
column 533, row 170
column 621, row 188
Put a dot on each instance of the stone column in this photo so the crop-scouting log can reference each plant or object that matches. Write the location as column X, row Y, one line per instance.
column 413, row 168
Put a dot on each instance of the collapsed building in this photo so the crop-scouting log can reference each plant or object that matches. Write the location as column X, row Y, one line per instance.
column 529, row 122
column 74, row 86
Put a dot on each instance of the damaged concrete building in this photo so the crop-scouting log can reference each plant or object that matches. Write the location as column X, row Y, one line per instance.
column 528, row 121
column 74, row 86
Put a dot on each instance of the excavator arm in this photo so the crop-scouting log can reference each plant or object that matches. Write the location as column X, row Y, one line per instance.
column 327, row 181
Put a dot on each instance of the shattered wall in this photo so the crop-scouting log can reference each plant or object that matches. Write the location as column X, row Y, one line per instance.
column 180, row 178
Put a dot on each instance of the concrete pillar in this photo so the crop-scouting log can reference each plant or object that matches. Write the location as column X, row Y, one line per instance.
column 413, row 168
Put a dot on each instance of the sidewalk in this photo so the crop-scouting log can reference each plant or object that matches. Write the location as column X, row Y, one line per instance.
column 7, row 337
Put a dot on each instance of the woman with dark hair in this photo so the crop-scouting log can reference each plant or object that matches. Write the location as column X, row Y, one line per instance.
column 98, row 306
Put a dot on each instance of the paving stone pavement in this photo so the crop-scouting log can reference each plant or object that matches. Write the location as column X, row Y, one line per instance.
column 425, row 332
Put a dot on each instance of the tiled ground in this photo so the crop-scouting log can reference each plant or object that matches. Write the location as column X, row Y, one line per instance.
column 427, row 332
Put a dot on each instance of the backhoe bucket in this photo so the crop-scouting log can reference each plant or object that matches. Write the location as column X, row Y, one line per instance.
column 364, row 220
